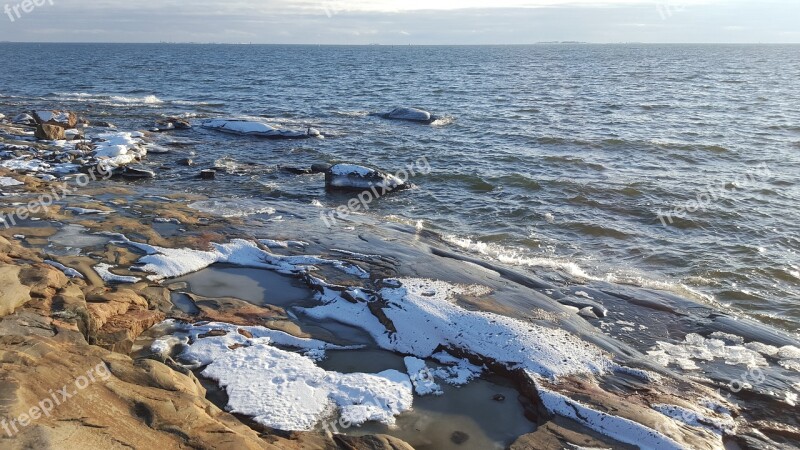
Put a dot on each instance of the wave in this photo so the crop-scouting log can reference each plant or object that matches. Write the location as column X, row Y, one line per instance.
column 124, row 100
column 352, row 113
column 623, row 277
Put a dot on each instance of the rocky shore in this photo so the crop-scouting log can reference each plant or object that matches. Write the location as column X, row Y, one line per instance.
column 96, row 350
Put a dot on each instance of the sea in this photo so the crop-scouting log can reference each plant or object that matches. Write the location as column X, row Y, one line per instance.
column 672, row 167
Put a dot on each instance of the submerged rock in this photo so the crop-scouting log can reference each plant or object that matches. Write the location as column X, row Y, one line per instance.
column 134, row 173
column 46, row 132
column 296, row 170
column 260, row 129
column 320, row 168
column 410, row 114
column 208, row 174
column 350, row 177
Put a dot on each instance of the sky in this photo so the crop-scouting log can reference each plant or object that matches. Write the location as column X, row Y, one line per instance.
column 401, row 22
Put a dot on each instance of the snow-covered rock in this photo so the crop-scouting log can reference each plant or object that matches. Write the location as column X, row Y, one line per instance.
column 63, row 119
column 411, row 114
column 360, row 178
column 260, row 129
column 119, row 149
column 24, row 119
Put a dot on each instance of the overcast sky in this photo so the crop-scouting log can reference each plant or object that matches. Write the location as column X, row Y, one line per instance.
column 402, row 21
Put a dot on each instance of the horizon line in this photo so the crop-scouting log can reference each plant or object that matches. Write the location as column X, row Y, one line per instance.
column 405, row 44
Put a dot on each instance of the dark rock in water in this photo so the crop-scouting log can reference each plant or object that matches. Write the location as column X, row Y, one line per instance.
column 459, row 438
column 47, row 132
column 410, row 114
column 350, row 177
column 296, row 170
column 134, row 173
column 63, row 119
column 499, row 398
column 188, row 162
column 172, row 123
column 320, row 168
column 24, row 119
column 102, row 124
column 208, row 174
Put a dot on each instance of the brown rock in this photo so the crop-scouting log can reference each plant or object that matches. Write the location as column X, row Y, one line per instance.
column 43, row 279
column 48, row 132
column 13, row 293
column 129, row 404
column 120, row 332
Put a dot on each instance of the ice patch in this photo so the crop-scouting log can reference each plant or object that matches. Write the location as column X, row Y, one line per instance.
column 104, row 270
column 8, row 182
column 618, row 428
column 696, row 347
column 422, row 377
column 285, row 390
column 426, row 319
column 165, row 263
column 233, row 207
column 71, row 273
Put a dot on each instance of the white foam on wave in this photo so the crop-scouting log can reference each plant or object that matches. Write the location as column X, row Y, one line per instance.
column 628, row 277
column 513, row 257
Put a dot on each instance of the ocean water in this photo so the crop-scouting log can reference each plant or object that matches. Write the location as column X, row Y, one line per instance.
column 571, row 158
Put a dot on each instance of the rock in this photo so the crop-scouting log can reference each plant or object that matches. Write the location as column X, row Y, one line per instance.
column 296, row 170
column 172, row 123
column 410, row 114
column 188, row 162
column 208, row 174
column 320, row 168
column 13, row 293
column 351, row 177
column 459, row 438
column 24, row 119
column 499, row 398
column 102, row 124
column 120, row 332
column 378, row 442
column 47, row 132
column 260, row 129
column 63, row 119
column 134, row 173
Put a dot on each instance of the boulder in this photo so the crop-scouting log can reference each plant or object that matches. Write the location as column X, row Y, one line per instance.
column 410, row 114
column 102, row 124
column 320, row 168
column 350, row 177
column 208, row 174
column 47, row 132
column 260, row 129
column 63, row 119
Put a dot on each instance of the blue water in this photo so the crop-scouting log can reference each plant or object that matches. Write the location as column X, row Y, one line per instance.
column 548, row 156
